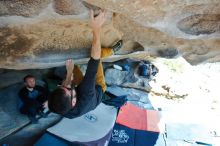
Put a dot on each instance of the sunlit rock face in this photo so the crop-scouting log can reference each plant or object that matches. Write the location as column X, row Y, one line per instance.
column 44, row 33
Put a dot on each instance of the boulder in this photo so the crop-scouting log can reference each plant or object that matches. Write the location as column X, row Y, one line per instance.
column 44, row 33
column 11, row 119
column 11, row 77
column 115, row 77
column 127, row 79
column 69, row 7
column 24, row 8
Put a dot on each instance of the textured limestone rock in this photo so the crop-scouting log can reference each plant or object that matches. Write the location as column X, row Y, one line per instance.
column 115, row 77
column 129, row 78
column 49, row 43
column 2, row 71
column 11, row 119
column 11, row 77
column 200, row 24
column 42, row 34
column 22, row 7
column 69, row 7
column 161, row 14
column 154, row 41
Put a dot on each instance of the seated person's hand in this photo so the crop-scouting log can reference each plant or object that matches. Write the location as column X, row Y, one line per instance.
column 45, row 104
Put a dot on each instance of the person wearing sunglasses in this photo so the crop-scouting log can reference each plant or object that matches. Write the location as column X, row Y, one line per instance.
column 78, row 95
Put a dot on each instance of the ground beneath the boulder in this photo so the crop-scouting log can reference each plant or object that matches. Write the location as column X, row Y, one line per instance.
column 184, row 121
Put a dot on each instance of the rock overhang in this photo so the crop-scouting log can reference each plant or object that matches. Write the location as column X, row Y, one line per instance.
column 41, row 34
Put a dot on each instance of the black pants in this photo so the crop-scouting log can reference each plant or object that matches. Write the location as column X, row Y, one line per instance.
column 32, row 109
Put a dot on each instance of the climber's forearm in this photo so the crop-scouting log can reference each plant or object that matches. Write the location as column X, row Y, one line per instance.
column 96, row 44
column 68, row 80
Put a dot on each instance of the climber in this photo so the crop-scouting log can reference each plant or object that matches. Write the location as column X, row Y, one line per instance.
column 78, row 95
column 33, row 98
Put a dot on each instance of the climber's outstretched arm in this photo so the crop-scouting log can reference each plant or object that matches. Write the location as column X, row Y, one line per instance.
column 96, row 24
column 69, row 75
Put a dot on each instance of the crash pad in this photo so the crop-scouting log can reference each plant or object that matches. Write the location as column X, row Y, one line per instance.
column 138, row 118
column 125, row 136
column 51, row 140
column 89, row 127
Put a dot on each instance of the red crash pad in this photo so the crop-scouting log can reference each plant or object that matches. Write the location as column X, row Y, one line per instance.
column 137, row 118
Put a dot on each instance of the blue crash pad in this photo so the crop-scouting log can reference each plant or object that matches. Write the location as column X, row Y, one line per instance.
column 51, row 140
column 125, row 136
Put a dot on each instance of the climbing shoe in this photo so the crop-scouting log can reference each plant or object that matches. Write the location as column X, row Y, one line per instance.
column 117, row 46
